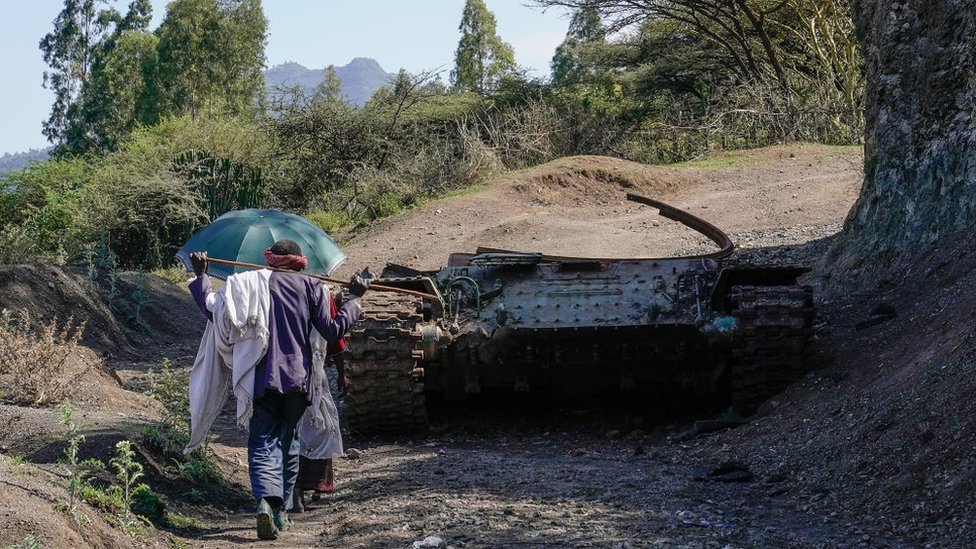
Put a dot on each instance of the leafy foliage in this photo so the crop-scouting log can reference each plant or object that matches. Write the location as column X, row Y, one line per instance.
column 79, row 50
column 482, row 59
column 44, row 210
column 172, row 433
column 571, row 63
column 111, row 76
column 210, row 56
column 718, row 73
column 128, row 471
column 78, row 470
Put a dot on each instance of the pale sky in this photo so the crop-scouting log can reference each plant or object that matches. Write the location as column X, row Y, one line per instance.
column 412, row 34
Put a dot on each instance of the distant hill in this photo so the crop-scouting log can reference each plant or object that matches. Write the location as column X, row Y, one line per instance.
column 360, row 78
column 11, row 162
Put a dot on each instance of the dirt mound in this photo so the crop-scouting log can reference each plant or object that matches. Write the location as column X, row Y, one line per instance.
column 882, row 428
column 592, row 180
column 31, row 504
column 49, row 293
column 783, row 195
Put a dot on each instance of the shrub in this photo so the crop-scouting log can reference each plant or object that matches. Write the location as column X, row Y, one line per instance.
column 170, row 435
column 332, row 222
column 45, row 208
column 33, row 364
column 77, row 470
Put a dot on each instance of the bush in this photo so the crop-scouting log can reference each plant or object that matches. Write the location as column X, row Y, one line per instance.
column 33, row 364
column 332, row 222
column 45, row 210
column 170, row 435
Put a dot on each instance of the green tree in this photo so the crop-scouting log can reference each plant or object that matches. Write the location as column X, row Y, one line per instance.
column 68, row 50
column 570, row 64
column 122, row 94
column 742, row 28
column 244, row 31
column 482, row 59
column 83, row 40
column 210, row 56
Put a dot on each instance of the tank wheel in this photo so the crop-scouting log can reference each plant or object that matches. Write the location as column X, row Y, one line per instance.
column 386, row 393
column 769, row 349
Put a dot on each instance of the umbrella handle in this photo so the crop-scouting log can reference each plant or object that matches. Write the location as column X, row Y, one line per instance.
column 376, row 287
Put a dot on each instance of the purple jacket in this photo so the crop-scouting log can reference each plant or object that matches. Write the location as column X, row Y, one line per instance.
column 298, row 304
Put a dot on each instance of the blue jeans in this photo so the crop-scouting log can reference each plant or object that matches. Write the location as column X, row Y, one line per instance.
column 273, row 447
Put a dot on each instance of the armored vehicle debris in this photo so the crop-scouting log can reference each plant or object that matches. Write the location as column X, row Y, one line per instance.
column 661, row 330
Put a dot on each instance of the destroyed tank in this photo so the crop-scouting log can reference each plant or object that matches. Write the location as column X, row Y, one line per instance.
column 659, row 331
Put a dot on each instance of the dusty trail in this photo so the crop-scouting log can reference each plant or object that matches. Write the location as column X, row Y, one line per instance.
column 580, row 479
column 495, row 477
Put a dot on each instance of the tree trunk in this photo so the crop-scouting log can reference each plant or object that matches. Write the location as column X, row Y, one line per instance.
column 920, row 143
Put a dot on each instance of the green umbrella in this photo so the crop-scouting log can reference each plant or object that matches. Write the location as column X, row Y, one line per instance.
column 243, row 235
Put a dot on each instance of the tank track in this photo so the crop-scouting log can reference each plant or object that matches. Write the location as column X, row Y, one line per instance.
column 385, row 394
column 769, row 350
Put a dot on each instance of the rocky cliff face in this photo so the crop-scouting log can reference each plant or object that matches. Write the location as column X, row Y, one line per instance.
column 920, row 143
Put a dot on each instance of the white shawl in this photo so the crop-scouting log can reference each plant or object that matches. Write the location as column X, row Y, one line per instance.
column 231, row 347
column 319, row 428
column 229, row 351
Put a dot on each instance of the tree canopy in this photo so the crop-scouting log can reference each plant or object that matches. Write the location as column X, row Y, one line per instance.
column 111, row 75
column 482, row 57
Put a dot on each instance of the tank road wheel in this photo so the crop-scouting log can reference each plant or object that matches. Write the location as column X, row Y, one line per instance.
column 768, row 352
column 385, row 394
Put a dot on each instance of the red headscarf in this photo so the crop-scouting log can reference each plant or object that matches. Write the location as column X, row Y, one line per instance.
column 293, row 262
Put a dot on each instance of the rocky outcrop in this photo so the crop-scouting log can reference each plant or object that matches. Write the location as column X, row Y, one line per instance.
column 920, row 143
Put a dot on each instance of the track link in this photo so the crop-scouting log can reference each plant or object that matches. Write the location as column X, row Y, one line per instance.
column 768, row 353
column 385, row 395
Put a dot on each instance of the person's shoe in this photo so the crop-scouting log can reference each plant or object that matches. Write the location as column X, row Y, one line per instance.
column 266, row 521
column 281, row 520
column 298, row 502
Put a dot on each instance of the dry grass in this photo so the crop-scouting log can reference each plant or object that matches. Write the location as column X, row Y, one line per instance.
column 34, row 362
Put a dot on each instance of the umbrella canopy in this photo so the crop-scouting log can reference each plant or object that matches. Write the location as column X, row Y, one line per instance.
column 243, row 235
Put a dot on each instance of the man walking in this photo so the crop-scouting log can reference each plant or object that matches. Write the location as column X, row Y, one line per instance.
column 282, row 378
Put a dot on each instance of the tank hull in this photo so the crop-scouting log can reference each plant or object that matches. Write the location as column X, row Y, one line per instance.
column 661, row 331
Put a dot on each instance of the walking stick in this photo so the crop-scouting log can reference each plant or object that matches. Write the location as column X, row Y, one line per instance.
column 376, row 287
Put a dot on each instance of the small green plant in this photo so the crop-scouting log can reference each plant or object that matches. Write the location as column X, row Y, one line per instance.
column 332, row 222
column 103, row 264
column 30, row 541
column 128, row 471
column 198, row 468
column 169, row 388
column 149, row 505
column 77, row 470
column 153, row 509
column 175, row 274
column 194, row 496
column 105, row 499
column 171, row 434
column 140, row 299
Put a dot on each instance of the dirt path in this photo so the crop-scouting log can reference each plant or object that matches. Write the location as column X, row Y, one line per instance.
column 578, row 479
column 569, row 478
column 548, row 485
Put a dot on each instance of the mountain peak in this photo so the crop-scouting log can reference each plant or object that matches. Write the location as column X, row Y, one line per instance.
column 360, row 78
